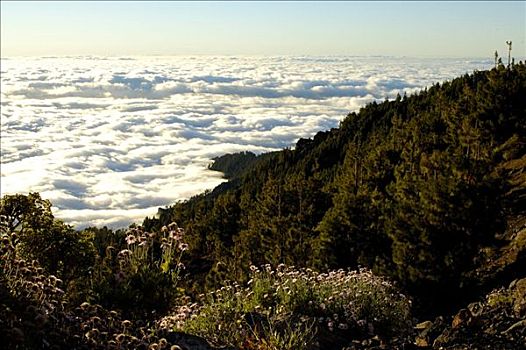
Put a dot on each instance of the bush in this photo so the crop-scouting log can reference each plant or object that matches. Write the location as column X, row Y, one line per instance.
column 285, row 308
column 58, row 248
column 142, row 279
column 36, row 313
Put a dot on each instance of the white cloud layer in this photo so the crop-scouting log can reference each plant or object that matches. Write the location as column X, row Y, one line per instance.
column 109, row 140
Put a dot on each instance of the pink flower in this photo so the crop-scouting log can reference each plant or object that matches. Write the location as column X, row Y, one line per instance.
column 124, row 253
column 131, row 239
column 183, row 246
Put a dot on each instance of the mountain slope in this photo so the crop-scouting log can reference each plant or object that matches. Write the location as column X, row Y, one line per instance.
column 413, row 188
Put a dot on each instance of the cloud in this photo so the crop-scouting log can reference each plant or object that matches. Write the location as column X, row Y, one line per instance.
column 109, row 140
column 70, row 187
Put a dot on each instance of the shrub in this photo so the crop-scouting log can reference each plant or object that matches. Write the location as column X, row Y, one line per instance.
column 286, row 308
column 141, row 279
column 36, row 313
column 57, row 247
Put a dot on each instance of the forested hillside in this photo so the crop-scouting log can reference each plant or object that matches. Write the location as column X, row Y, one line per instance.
column 368, row 236
column 412, row 188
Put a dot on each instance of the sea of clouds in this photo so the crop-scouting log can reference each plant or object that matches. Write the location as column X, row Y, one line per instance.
column 109, row 140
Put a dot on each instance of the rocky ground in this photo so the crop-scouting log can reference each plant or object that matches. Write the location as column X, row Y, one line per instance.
column 497, row 322
column 498, row 319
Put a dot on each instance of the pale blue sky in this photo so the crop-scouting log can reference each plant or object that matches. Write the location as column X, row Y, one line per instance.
column 431, row 29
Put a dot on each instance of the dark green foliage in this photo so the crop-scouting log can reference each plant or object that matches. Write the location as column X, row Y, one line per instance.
column 21, row 213
column 37, row 312
column 58, row 248
column 406, row 187
column 233, row 165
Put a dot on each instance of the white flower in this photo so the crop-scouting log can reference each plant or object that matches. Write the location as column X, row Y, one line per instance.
column 183, row 246
column 131, row 239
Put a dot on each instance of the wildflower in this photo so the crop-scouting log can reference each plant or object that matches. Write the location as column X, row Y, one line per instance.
column 173, row 235
column 185, row 309
column 93, row 333
column 124, row 253
column 131, row 239
column 183, row 246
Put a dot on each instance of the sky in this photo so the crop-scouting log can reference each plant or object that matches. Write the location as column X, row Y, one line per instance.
column 418, row 29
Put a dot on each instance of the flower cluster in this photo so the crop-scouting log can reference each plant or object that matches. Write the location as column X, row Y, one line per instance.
column 145, row 273
column 40, row 315
column 275, row 303
column 153, row 250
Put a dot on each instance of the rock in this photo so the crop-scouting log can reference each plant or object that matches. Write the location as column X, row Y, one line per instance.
column 422, row 339
column 461, row 318
column 441, row 339
column 476, row 309
column 428, row 331
column 335, row 339
column 421, row 342
column 191, row 342
column 519, row 298
column 424, row 325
